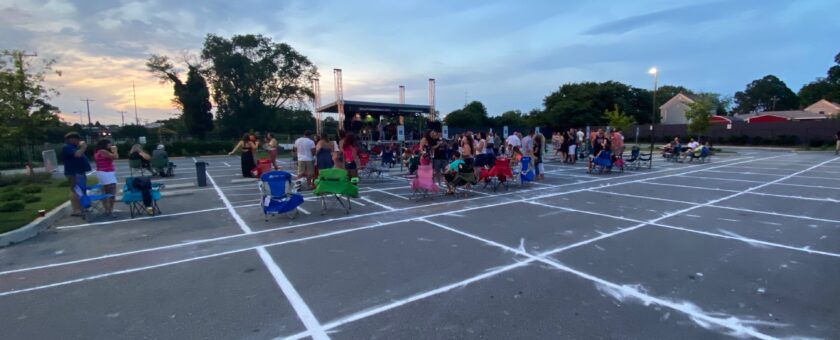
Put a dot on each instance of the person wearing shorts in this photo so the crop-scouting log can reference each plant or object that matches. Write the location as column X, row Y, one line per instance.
column 305, row 151
column 104, row 157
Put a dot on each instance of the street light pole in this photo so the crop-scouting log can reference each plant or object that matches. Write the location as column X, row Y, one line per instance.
column 655, row 73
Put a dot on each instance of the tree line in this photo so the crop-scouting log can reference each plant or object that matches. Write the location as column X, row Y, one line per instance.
column 614, row 103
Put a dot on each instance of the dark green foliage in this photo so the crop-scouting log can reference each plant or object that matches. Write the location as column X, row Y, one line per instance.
column 582, row 104
column 471, row 115
column 11, row 206
column 9, row 195
column 759, row 95
column 252, row 77
column 31, row 199
column 30, row 189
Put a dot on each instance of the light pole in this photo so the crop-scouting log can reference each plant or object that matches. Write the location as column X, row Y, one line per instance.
column 655, row 73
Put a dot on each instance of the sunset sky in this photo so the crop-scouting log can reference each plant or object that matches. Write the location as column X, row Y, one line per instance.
column 508, row 54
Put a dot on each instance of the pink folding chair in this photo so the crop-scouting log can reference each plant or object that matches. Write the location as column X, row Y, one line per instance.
column 424, row 183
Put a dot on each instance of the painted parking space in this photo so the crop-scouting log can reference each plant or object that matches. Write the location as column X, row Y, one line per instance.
column 576, row 255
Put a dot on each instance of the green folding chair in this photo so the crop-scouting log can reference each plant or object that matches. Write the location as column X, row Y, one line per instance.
column 334, row 183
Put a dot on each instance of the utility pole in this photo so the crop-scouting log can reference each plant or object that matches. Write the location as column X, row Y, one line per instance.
column 19, row 56
column 122, row 114
column 402, row 94
column 432, row 99
column 774, row 99
column 134, row 90
column 87, row 102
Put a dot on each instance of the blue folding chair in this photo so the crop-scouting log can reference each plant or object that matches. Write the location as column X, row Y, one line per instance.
column 526, row 173
column 388, row 159
column 90, row 197
column 603, row 162
column 278, row 194
column 133, row 197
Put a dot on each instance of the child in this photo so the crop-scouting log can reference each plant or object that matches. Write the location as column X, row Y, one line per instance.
column 451, row 172
column 413, row 162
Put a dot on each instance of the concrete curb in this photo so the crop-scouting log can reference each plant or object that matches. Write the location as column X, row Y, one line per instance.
column 41, row 224
column 35, row 227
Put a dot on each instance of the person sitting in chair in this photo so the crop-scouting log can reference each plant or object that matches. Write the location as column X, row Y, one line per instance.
column 136, row 153
column 451, row 172
column 160, row 161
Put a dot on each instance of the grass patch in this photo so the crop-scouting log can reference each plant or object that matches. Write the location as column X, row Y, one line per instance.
column 35, row 193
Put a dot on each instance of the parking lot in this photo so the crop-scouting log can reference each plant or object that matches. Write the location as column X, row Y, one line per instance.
column 744, row 246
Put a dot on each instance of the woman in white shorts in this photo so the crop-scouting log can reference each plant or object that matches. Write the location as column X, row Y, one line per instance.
column 104, row 157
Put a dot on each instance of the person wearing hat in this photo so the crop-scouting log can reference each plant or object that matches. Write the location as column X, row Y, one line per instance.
column 76, row 166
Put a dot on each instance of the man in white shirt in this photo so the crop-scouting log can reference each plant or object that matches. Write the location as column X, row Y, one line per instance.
column 512, row 141
column 305, row 149
column 528, row 144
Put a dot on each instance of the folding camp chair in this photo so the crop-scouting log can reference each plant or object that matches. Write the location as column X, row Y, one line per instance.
column 602, row 163
column 526, row 172
column 278, row 194
column 90, row 197
column 702, row 157
column 133, row 196
column 388, row 159
column 136, row 168
column 424, row 183
column 499, row 174
column 333, row 182
column 162, row 167
column 633, row 161
column 367, row 167
column 464, row 176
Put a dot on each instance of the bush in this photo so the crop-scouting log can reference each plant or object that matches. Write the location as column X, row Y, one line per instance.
column 786, row 140
column 738, row 140
column 9, row 196
column 31, row 189
column 11, row 206
column 816, row 143
column 31, row 199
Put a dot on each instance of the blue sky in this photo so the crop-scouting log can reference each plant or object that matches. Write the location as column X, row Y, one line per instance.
column 507, row 54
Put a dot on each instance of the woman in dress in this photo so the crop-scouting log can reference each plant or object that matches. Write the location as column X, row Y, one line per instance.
column 249, row 148
column 324, row 153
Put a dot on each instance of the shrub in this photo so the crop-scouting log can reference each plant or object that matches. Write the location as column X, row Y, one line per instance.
column 11, row 206
column 9, row 196
column 757, row 140
column 816, row 143
column 31, row 199
column 738, row 140
column 31, row 189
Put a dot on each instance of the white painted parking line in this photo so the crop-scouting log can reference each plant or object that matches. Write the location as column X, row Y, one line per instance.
column 348, row 218
column 292, row 295
column 377, row 203
column 824, row 199
column 226, row 164
column 389, row 193
column 759, row 182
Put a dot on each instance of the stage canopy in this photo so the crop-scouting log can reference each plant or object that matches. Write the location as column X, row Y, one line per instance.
column 352, row 107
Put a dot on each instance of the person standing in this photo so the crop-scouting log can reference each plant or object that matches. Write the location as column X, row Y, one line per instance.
column 438, row 148
column 490, row 143
column 350, row 152
column 104, row 157
column 837, row 147
column 249, row 148
column 305, row 149
column 324, row 153
column 511, row 142
column 617, row 142
column 528, row 143
column 271, row 147
column 76, row 166
column 539, row 145
column 580, row 135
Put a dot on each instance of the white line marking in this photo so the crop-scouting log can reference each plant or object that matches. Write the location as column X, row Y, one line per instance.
column 226, row 164
column 377, row 203
column 300, row 307
column 342, row 219
column 303, row 210
column 389, row 193
column 695, row 313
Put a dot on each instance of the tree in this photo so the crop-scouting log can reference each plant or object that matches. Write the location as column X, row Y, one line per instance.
column 192, row 97
column 133, row 132
column 699, row 113
column 582, row 104
column 252, row 76
column 512, row 118
column 617, row 119
column 765, row 94
column 473, row 114
column 823, row 88
column 25, row 111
